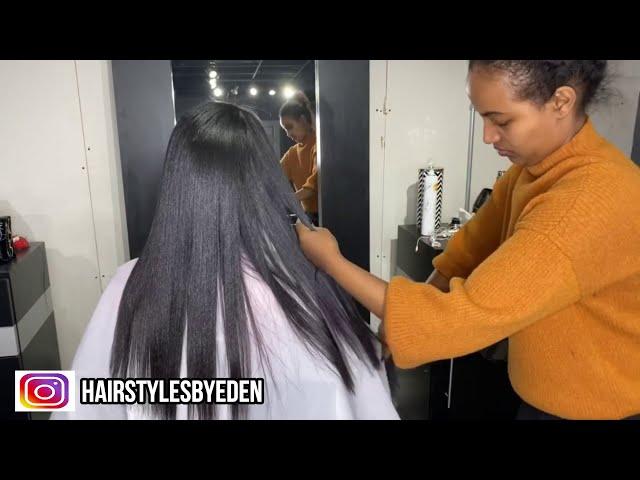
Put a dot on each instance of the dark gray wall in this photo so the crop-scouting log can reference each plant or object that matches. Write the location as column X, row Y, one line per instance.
column 184, row 103
column 145, row 115
column 343, row 103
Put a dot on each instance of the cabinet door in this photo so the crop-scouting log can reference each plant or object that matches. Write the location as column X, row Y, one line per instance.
column 427, row 119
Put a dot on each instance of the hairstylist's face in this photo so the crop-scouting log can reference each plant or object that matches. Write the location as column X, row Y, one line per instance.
column 521, row 130
column 296, row 129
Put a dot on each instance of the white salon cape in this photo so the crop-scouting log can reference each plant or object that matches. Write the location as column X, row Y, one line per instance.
column 298, row 384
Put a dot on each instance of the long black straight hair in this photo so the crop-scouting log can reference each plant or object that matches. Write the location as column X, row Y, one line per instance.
column 224, row 205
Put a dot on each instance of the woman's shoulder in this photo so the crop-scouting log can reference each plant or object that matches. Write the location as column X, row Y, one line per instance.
column 112, row 294
column 104, row 318
column 605, row 175
column 123, row 272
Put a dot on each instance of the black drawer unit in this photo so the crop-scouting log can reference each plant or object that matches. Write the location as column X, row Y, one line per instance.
column 28, row 337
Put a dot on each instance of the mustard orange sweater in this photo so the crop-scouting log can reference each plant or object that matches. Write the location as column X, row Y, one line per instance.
column 300, row 166
column 551, row 261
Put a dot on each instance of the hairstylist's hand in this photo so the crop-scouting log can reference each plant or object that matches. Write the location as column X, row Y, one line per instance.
column 319, row 246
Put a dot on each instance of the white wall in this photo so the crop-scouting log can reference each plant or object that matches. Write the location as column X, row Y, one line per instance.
column 59, row 179
column 615, row 119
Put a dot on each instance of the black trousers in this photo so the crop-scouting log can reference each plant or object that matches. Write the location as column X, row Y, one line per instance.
column 528, row 412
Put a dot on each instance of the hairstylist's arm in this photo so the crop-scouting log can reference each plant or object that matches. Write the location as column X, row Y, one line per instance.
column 304, row 193
column 322, row 249
column 310, row 187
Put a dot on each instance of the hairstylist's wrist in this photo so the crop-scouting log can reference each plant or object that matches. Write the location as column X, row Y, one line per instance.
column 333, row 263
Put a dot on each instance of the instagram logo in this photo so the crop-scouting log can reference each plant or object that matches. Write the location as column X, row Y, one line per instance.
column 45, row 391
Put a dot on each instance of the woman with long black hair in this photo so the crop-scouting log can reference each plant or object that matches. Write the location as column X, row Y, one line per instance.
column 222, row 290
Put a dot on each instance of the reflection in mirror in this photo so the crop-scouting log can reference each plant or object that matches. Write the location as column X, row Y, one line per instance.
column 280, row 92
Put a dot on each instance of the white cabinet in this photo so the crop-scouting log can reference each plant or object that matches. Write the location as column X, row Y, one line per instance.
column 419, row 113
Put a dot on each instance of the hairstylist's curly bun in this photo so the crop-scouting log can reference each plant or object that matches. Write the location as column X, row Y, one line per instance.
column 298, row 106
column 537, row 80
column 301, row 98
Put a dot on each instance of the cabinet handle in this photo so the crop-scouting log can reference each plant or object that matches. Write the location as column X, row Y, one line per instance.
column 450, row 384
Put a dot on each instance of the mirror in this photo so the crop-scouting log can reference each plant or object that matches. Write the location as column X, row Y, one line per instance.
column 265, row 87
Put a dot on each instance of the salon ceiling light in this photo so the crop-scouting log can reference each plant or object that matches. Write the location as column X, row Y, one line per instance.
column 213, row 82
column 272, row 92
column 217, row 92
column 253, row 91
column 213, row 74
column 288, row 92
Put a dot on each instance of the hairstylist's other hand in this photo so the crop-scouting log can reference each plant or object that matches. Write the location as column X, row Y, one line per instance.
column 319, row 246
